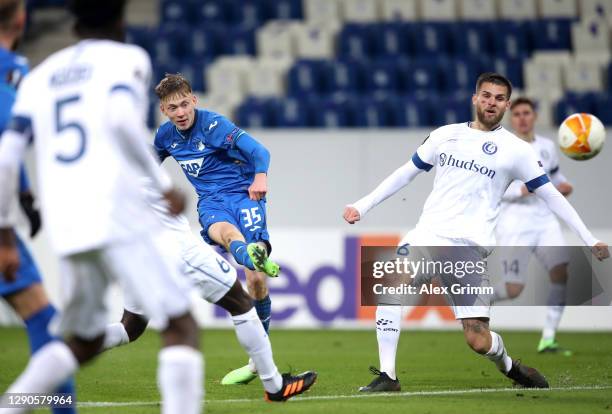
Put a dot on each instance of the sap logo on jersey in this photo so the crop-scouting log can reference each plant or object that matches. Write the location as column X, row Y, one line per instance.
column 466, row 165
column 192, row 167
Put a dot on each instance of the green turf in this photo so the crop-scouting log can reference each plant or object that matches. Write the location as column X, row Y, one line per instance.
column 427, row 361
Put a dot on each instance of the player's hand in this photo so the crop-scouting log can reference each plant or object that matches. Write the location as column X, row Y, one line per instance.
column 26, row 200
column 351, row 215
column 565, row 188
column 600, row 251
column 259, row 188
column 9, row 256
column 175, row 200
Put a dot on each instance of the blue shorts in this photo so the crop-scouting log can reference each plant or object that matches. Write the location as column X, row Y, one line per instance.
column 27, row 274
column 247, row 215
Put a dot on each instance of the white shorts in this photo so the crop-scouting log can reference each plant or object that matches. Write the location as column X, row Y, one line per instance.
column 464, row 306
column 517, row 248
column 199, row 265
column 140, row 268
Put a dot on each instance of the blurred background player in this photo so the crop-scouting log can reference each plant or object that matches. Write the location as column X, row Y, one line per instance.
column 450, row 218
column 228, row 169
column 25, row 294
column 84, row 106
column 526, row 221
column 215, row 281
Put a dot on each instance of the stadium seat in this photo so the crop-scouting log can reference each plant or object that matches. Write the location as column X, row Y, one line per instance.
column 315, row 40
column 284, row 9
column 572, row 103
column 370, row 113
column 512, row 40
column 227, row 74
column 266, row 78
column 142, row 36
column 450, row 110
column 355, row 41
column 171, row 43
column 193, row 70
column 590, row 35
column 543, row 79
column 561, row 57
column 517, row 9
column 411, row 112
column 431, row 39
column 382, row 76
column 471, row 39
column 255, row 113
column 359, row 11
column 176, row 11
column 599, row 9
column 551, row 34
column 239, row 40
column 477, row 10
column 292, row 113
column 583, row 76
column 545, row 112
column 321, row 10
column 399, row 10
column 438, row 10
column 460, row 74
column 211, row 11
column 510, row 68
column 558, row 9
column 392, row 40
column 421, row 75
column 250, row 13
column 206, row 42
column 343, row 76
column 305, row 78
column 603, row 108
column 222, row 103
column 330, row 112
column 274, row 39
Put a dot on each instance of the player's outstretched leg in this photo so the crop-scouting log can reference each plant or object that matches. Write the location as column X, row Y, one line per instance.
column 490, row 344
column 130, row 328
column 388, row 319
column 262, row 263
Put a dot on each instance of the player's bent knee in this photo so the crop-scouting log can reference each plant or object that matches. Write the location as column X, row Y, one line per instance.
column 236, row 301
column 479, row 343
column 134, row 324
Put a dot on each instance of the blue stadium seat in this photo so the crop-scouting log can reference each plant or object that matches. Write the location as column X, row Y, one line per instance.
column 392, row 40
column 250, row 13
column 205, row 42
column 305, row 77
column 460, row 73
column 292, row 113
column 382, row 76
column 142, row 36
column 239, row 40
column 411, row 112
column 432, row 39
column 255, row 113
column 472, row 38
column 572, row 103
column 330, row 112
column 551, row 34
column 176, row 11
column 451, row 109
column 422, row 75
column 603, row 108
column 370, row 112
column 171, row 43
column 343, row 76
column 512, row 39
column 355, row 41
column 510, row 68
column 284, row 9
column 211, row 11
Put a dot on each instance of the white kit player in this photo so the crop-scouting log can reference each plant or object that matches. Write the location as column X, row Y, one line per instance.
column 526, row 221
column 84, row 108
column 475, row 162
column 215, row 281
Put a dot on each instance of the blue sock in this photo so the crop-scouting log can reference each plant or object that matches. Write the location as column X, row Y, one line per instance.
column 37, row 326
column 264, row 310
column 239, row 251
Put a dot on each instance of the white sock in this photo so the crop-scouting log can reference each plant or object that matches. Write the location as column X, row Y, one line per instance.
column 388, row 320
column 500, row 291
column 255, row 341
column 48, row 368
column 180, row 380
column 498, row 353
column 115, row 335
column 554, row 311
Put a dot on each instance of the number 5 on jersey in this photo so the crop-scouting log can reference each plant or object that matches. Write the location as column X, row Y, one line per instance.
column 62, row 125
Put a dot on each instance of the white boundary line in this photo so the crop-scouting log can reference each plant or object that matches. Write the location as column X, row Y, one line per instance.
column 103, row 404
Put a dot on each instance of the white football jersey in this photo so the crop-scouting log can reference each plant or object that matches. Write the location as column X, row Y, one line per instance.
column 531, row 212
column 473, row 170
column 90, row 190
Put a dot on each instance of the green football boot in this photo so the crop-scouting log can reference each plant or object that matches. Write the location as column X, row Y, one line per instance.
column 242, row 376
column 550, row 346
column 260, row 260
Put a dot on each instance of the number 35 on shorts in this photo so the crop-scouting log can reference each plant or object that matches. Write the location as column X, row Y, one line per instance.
column 251, row 218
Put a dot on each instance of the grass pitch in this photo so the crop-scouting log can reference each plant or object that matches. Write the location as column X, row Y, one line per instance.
column 439, row 374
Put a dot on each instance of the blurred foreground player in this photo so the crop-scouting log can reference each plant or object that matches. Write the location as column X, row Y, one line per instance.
column 228, row 169
column 84, row 107
column 25, row 294
column 215, row 281
column 527, row 222
column 476, row 161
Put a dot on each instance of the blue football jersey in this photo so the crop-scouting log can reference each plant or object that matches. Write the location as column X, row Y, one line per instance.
column 207, row 154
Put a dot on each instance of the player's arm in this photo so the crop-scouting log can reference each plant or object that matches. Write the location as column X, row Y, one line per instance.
column 259, row 157
column 158, row 147
column 560, row 182
column 132, row 137
column 515, row 191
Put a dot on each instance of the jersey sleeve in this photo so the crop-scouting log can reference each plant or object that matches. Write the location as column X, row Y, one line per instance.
column 425, row 155
column 222, row 133
column 158, row 145
column 527, row 167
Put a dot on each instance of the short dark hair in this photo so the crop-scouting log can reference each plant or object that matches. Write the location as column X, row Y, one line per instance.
column 172, row 84
column 494, row 78
column 8, row 10
column 96, row 14
column 523, row 100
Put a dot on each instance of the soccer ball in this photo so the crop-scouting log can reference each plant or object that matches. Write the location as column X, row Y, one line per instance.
column 581, row 136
